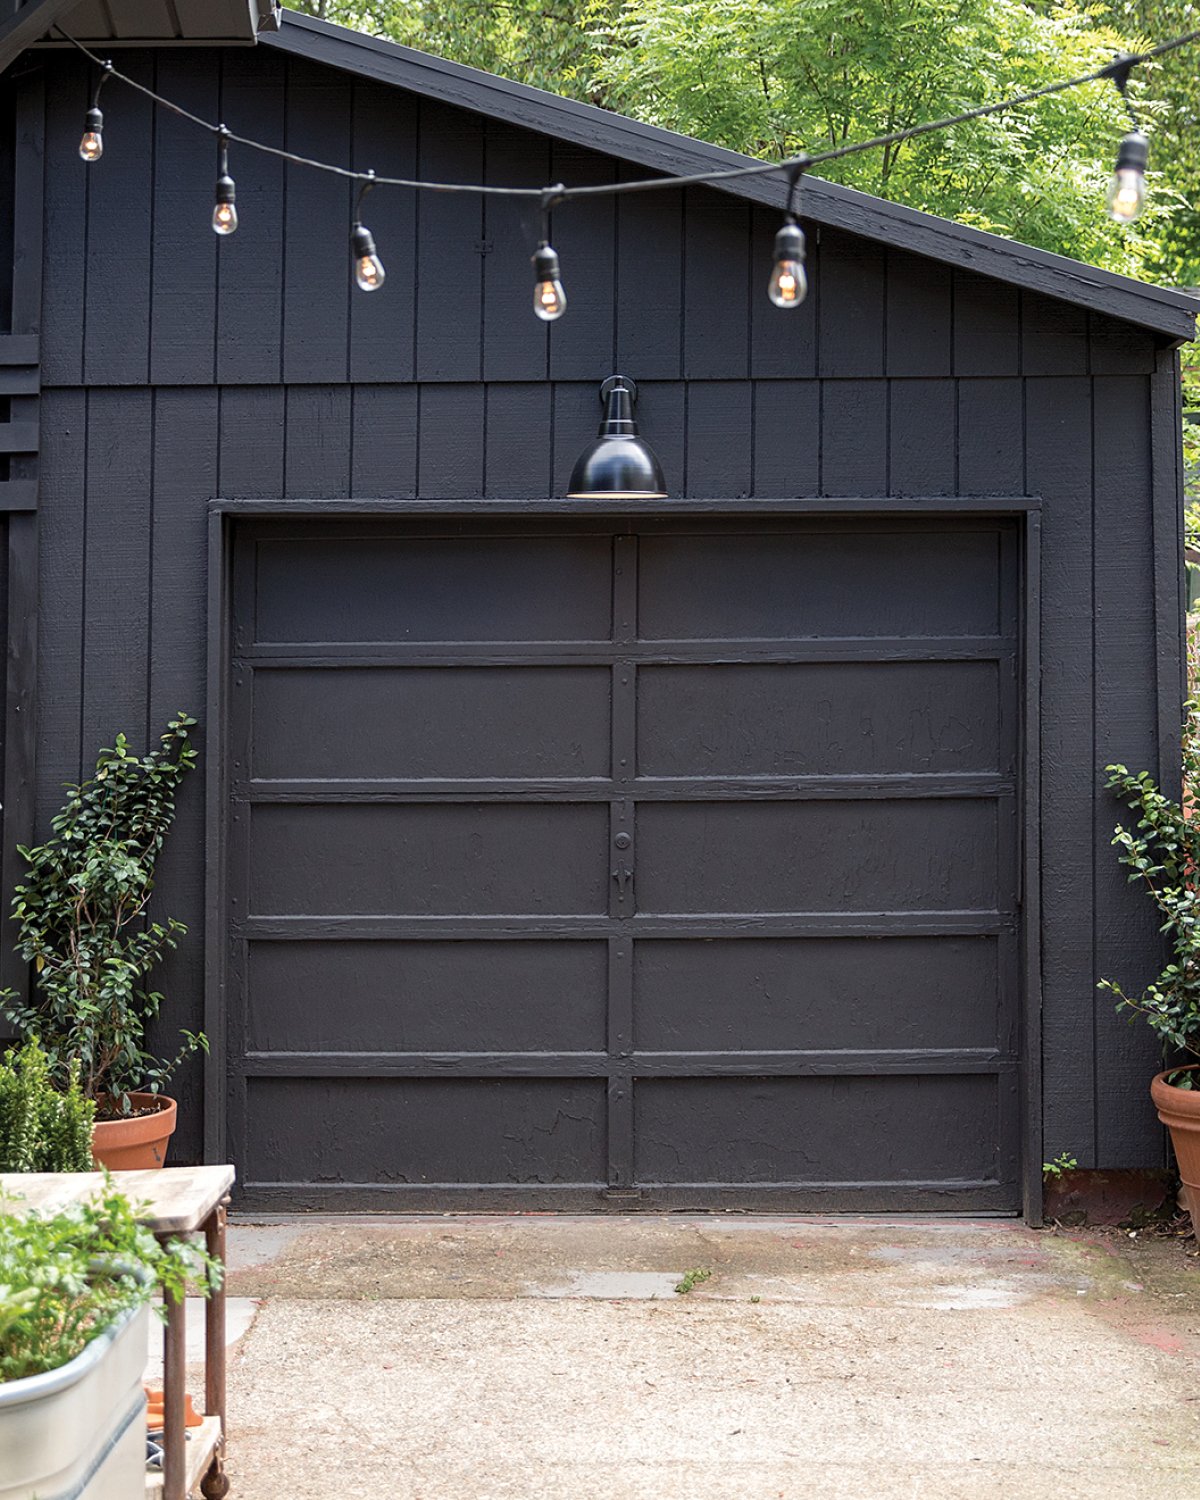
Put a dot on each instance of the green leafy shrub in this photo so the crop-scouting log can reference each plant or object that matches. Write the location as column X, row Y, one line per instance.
column 82, row 917
column 1162, row 852
column 41, row 1128
column 65, row 1278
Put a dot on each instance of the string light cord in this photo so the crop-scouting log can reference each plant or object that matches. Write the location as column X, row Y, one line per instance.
column 1117, row 71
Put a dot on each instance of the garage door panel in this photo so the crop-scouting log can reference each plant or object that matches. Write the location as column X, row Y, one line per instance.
column 826, row 718
column 429, row 859
column 445, row 723
column 900, row 1127
column 777, row 857
column 387, row 996
column 852, row 582
column 809, row 994
column 376, row 589
column 424, row 1130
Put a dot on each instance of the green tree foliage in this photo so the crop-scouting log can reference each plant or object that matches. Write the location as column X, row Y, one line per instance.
column 775, row 79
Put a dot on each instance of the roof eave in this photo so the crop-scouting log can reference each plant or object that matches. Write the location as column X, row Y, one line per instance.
column 1168, row 313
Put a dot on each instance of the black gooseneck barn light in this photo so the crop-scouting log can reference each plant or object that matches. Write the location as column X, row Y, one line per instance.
column 618, row 465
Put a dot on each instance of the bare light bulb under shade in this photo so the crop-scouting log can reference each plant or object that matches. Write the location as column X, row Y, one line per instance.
column 1126, row 195
column 788, row 285
column 549, row 300
column 225, row 218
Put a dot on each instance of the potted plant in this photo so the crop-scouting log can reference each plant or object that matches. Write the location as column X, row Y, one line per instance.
column 81, row 912
column 41, row 1129
column 1162, row 852
column 75, row 1290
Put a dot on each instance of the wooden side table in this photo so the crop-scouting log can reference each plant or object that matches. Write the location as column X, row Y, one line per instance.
column 171, row 1201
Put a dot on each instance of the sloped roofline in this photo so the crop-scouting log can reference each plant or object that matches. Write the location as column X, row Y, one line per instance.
column 1168, row 313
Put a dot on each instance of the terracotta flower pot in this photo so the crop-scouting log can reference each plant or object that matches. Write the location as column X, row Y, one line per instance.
column 1179, row 1110
column 140, row 1140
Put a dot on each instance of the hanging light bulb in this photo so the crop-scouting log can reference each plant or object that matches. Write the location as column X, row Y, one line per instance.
column 549, row 299
column 91, row 146
column 1127, row 190
column 368, row 268
column 788, row 286
column 224, row 215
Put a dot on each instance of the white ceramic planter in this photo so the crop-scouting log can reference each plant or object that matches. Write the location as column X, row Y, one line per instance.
column 79, row 1432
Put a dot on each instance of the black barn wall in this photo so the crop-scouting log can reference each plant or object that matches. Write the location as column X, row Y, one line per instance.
column 177, row 368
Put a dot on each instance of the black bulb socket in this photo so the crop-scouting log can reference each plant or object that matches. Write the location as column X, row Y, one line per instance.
column 94, row 120
column 362, row 242
column 225, row 190
column 545, row 264
column 789, row 242
column 1133, row 154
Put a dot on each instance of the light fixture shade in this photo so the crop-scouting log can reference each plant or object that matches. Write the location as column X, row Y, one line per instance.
column 618, row 465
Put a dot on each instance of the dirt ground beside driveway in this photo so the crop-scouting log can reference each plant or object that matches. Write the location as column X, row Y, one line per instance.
column 491, row 1358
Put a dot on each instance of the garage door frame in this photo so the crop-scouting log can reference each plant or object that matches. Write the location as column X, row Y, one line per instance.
column 224, row 514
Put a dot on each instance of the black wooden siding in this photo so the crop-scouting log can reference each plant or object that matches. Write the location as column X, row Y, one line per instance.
column 178, row 368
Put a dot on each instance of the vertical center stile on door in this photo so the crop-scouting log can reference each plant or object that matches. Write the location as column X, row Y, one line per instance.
column 622, row 865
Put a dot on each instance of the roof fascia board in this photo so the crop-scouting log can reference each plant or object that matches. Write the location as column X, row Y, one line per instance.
column 1168, row 313
column 26, row 25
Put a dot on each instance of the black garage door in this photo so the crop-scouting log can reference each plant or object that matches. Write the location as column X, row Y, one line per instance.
column 578, row 864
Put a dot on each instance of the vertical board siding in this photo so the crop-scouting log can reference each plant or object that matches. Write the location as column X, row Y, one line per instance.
column 1128, row 945
column 118, row 533
column 383, row 325
column 185, row 470
column 66, row 223
column 317, row 448
column 183, row 291
column 61, row 522
column 987, row 326
column 120, row 230
column 852, row 306
column 649, row 283
column 450, row 247
column 518, row 461
column 316, row 264
column 583, row 340
column 515, row 345
column 922, row 437
column 251, row 262
column 991, row 424
column 716, row 286
column 1059, row 432
column 787, row 438
column 919, row 316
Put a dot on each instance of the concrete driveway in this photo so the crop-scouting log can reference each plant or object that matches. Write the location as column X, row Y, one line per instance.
column 496, row 1358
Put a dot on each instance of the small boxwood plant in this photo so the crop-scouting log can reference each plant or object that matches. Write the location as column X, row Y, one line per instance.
column 42, row 1129
column 65, row 1278
column 81, row 912
column 1162, row 852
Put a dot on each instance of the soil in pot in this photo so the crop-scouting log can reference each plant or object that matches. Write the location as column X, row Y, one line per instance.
column 137, row 1141
column 1179, row 1110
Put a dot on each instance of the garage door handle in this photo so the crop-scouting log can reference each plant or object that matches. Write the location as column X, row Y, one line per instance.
column 623, row 875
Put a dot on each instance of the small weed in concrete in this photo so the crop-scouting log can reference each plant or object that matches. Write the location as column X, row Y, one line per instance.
column 690, row 1279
